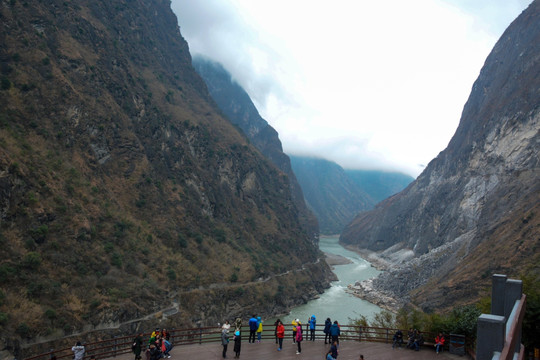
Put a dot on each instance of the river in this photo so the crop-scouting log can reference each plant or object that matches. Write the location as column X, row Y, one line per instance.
column 335, row 302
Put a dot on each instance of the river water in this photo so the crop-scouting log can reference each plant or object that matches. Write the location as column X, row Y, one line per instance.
column 335, row 303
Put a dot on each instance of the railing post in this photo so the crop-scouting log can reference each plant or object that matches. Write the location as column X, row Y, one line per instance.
column 498, row 284
column 200, row 334
column 491, row 329
column 114, row 346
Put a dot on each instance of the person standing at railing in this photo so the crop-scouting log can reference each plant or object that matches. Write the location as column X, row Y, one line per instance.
column 335, row 332
column 259, row 329
column 299, row 336
column 225, row 341
column 312, row 326
column 78, row 351
column 327, row 325
column 276, row 329
column 253, row 325
column 136, row 347
column 280, row 333
column 294, row 325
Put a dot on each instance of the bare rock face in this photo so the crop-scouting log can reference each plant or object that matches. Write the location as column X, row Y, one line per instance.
column 475, row 208
column 236, row 104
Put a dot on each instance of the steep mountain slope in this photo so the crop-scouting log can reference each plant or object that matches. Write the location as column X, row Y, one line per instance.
column 236, row 104
column 123, row 190
column 475, row 210
column 330, row 193
column 379, row 184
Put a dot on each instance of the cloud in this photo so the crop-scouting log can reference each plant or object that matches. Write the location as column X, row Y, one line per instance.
column 367, row 84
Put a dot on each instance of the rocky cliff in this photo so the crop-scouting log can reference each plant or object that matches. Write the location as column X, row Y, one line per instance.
column 475, row 209
column 123, row 189
column 238, row 107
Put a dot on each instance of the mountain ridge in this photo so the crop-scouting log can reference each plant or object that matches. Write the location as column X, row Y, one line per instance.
column 122, row 187
column 479, row 196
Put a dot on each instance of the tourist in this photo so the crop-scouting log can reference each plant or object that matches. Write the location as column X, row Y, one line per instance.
column 418, row 341
column 280, row 333
column 259, row 329
column 136, row 347
column 361, row 357
column 226, row 325
column 439, row 343
column 327, row 325
column 153, row 352
column 253, row 325
column 335, row 332
column 165, row 334
column 294, row 325
column 225, row 341
column 166, row 346
column 397, row 339
column 237, row 343
column 276, row 329
column 299, row 336
column 78, row 351
column 312, row 326
column 411, row 334
column 334, row 350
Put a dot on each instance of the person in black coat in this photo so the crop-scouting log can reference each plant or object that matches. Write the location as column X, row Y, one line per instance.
column 237, row 343
column 327, row 325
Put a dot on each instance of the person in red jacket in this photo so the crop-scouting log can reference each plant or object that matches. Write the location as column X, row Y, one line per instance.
column 439, row 343
column 280, row 333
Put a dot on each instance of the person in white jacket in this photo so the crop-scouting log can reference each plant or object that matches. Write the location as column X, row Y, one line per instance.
column 78, row 351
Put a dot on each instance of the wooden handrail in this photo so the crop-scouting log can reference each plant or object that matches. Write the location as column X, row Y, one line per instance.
column 512, row 337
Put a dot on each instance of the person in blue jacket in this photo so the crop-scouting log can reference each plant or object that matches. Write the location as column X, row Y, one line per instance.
column 312, row 325
column 327, row 325
column 334, row 332
column 253, row 325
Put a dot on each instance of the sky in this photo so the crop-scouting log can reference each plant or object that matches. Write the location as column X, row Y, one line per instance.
column 375, row 85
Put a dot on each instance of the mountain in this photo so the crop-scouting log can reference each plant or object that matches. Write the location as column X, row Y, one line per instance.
column 330, row 193
column 379, row 185
column 475, row 209
column 238, row 107
column 124, row 191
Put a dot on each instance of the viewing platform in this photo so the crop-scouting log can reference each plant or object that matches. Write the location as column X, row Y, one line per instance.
column 267, row 350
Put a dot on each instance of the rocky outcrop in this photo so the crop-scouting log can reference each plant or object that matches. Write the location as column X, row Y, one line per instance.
column 479, row 199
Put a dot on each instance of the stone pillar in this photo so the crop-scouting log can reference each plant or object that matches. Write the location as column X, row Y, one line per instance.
column 513, row 291
column 497, row 294
column 492, row 330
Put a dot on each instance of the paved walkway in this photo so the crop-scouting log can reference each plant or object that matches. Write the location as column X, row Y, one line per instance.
column 266, row 350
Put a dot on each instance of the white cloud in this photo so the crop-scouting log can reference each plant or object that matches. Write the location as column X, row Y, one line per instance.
column 368, row 84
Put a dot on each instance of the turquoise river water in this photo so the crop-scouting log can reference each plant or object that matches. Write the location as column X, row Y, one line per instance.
column 335, row 302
